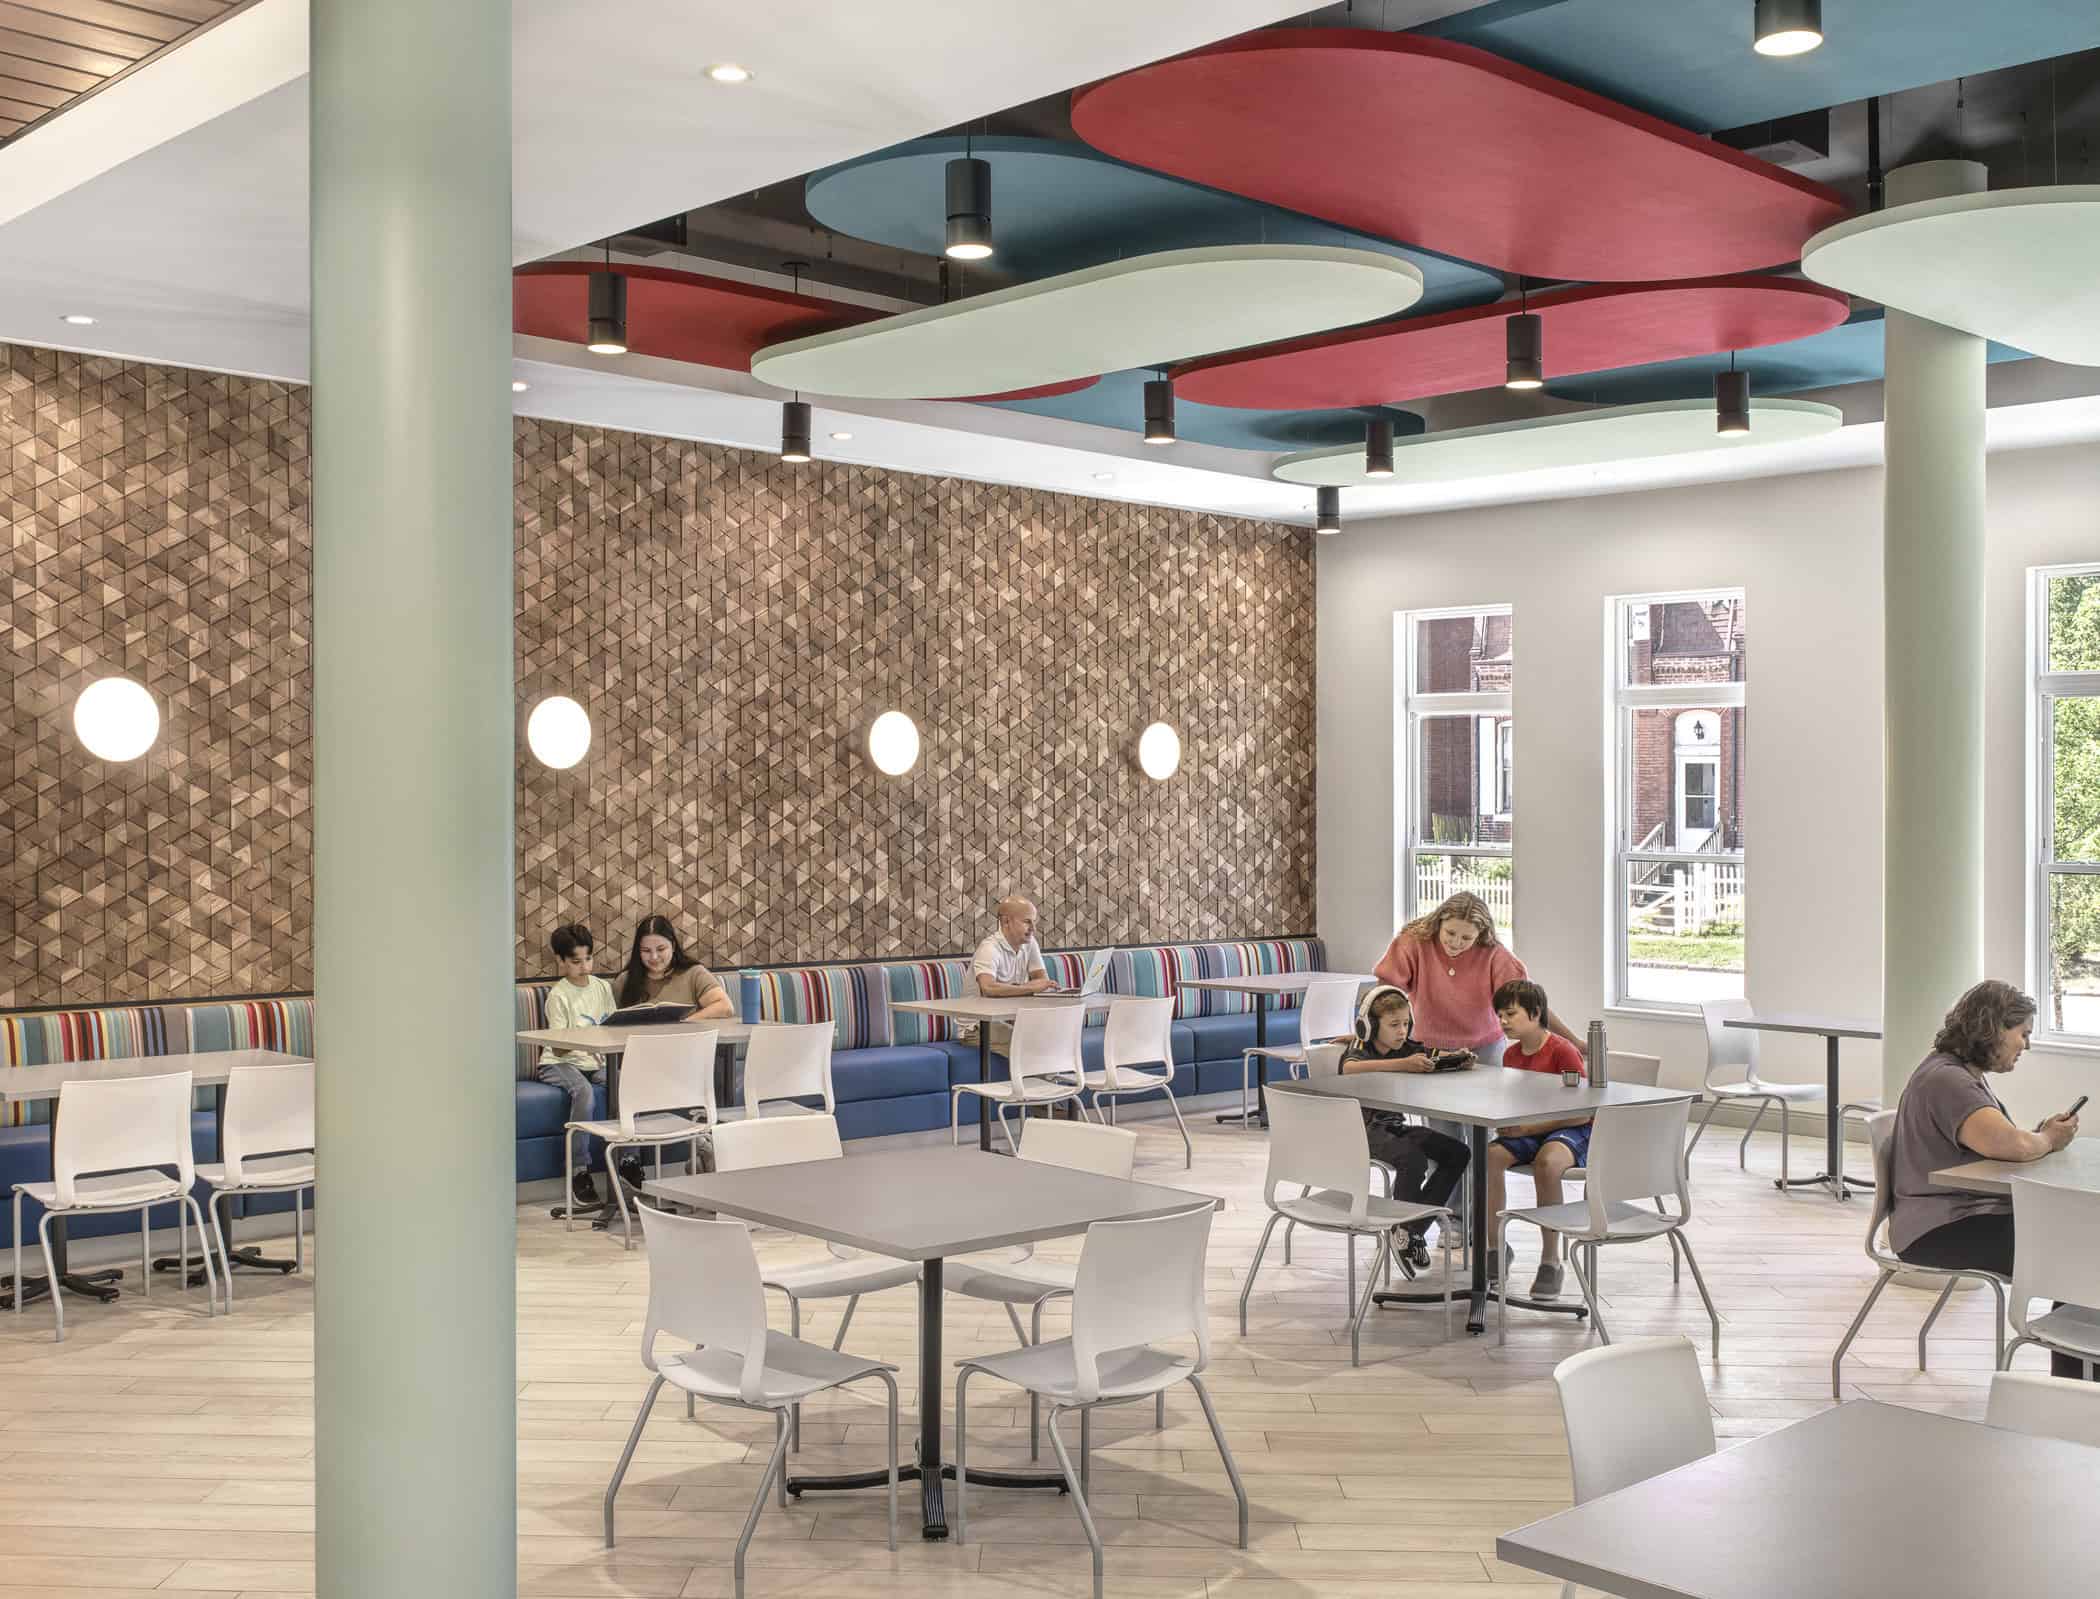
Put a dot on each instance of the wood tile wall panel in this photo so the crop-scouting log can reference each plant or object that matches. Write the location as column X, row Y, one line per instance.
column 731, row 623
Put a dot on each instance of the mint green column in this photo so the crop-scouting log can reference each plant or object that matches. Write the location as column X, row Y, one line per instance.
column 1932, row 585
column 415, row 1412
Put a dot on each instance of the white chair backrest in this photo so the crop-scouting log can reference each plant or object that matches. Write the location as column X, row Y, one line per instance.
column 1637, row 1152
column 1140, row 1033
column 269, row 1111
column 1623, row 1067
column 663, row 1070
column 1731, row 1052
column 1881, row 1140
column 704, row 1287
column 1046, row 1041
column 2053, row 1255
column 1328, row 1010
column 1081, row 1146
column 2046, row 1407
column 1634, row 1410
column 776, row 1141
column 1319, row 1141
column 1139, row 1282
column 790, row 1060
column 121, row 1124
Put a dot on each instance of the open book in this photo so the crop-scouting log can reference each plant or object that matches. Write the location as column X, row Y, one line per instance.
column 647, row 1015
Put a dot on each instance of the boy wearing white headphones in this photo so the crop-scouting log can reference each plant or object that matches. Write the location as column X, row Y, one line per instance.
column 1427, row 1164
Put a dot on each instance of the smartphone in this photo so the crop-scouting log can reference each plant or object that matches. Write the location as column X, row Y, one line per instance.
column 2075, row 1109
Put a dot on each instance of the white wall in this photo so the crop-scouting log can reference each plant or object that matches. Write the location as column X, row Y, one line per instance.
column 1807, row 551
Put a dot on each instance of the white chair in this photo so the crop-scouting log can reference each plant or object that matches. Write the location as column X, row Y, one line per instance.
column 2055, row 1234
column 1140, row 1033
column 663, row 1075
column 123, row 1129
column 2047, row 1407
column 1633, row 1411
column 789, row 1061
column 1730, row 1050
column 1636, row 1153
column 704, row 1287
column 784, row 1141
column 1326, row 1010
column 1881, row 1132
column 266, row 1146
column 1644, row 1071
column 1318, row 1143
column 1042, row 1061
column 1023, row 1280
column 1139, row 1282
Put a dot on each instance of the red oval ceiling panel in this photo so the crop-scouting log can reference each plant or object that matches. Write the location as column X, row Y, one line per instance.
column 688, row 316
column 1445, row 146
column 1585, row 330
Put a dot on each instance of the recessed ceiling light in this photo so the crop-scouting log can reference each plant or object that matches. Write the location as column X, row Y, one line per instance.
column 73, row 319
column 842, row 437
column 729, row 72
column 519, row 385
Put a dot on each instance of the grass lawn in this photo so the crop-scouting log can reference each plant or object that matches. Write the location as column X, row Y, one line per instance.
column 1705, row 954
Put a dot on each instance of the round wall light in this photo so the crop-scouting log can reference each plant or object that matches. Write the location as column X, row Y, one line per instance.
column 559, row 732
column 893, row 743
column 1159, row 751
column 116, row 719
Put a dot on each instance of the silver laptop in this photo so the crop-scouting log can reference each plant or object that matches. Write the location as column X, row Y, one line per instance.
column 1096, row 975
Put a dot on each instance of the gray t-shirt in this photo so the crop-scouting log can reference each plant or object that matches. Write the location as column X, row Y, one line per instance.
column 1941, row 1094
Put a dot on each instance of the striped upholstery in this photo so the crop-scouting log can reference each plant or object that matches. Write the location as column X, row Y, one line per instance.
column 1161, row 969
column 531, row 1000
column 281, row 1024
column 1067, row 967
column 925, row 980
column 854, row 999
column 61, row 1035
column 1156, row 971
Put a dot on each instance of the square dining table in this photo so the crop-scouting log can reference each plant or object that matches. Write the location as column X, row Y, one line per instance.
column 1830, row 1029
column 924, row 1205
column 1267, row 988
column 2076, row 1165
column 984, row 1011
column 1482, row 1099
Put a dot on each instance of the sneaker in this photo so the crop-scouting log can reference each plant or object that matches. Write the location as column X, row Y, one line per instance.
column 583, row 1189
column 1417, row 1252
column 1494, row 1265
column 1546, row 1285
column 631, row 1174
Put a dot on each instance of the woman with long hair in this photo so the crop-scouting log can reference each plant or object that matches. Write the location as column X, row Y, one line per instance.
column 1450, row 963
column 659, row 971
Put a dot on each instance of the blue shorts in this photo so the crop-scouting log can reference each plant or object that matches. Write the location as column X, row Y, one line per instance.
column 1526, row 1149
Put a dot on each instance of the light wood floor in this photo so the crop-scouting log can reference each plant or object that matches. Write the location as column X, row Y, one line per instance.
column 129, row 1452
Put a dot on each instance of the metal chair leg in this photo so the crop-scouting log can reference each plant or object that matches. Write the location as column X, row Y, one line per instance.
column 1035, row 1401
column 1932, row 1316
column 1288, row 1229
column 794, row 1411
column 845, row 1321
column 1699, row 1282
column 1502, row 1279
column 1188, row 1150
column 1254, row 1266
column 1852, row 1332
column 58, row 1294
column 1742, row 1149
column 1363, row 1306
column 1998, row 1293
column 568, row 1180
column 1699, row 1132
column 962, row 1457
column 1086, row 1448
column 1072, row 1484
column 1232, row 1470
column 775, row 1468
column 146, row 1253
column 298, row 1230
column 890, row 1383
column 1589, row 1294
column 634, row 1437
column 218, row 1231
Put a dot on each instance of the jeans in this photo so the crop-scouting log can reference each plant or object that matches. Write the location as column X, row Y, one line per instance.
column 1426, row 1164
column 581, row 1099
column 1984, row 1240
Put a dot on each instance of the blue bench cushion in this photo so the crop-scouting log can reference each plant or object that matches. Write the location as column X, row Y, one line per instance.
column 543, row 1109
column 1225, row 1037
column 897, row 1071
column 25, row 1157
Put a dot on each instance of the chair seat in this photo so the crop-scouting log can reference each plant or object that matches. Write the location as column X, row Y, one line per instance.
column 1047, row 1369
column 1622, row 1219
column 1329, row 1207
column 647, row 1129
column 1292, row 1052
column 2075, row 1328
column 1030, row 1091
column 271, row 1171
column 841, row 1278
column 112, row 1190
column 1128, row 1077
column 1017, row 1282
column 793, row 1370
column 1792, row 1093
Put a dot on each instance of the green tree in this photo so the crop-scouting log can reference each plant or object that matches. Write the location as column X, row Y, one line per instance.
column 2074, row 646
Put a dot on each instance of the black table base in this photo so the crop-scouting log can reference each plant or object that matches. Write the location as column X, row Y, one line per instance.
column 1832, row 1176
column 1240, row 1118
column 100, row 1286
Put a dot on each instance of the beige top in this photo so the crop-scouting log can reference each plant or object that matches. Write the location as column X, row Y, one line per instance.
column 694, row 986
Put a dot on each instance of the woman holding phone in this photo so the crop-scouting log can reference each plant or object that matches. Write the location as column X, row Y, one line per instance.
column 1948, row 1115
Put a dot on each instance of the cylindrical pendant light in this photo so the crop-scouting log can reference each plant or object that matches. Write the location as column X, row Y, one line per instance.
column 608, row 314
column 1526, row 368
column 969, row 208
column 1378, row 447
column 1787, row 27
column 794, row 430
column 1329, row 503
column 1731, row 401
column 1159, row 411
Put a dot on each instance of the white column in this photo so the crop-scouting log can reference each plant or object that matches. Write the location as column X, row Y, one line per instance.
column 415, row 1305
column 1932, row 564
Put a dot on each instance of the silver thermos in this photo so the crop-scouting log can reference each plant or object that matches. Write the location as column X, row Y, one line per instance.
column 1600, row 1067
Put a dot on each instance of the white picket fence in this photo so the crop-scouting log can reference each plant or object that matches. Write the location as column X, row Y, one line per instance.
column 1436, row 881
column 1688, row 899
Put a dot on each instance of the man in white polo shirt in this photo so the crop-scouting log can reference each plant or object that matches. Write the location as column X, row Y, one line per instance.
column 1010, row 963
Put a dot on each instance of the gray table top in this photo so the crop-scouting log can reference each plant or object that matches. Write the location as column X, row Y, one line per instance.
column 208, row 1069
column 614, row 1040
column 2076, row 1165
column 925, row 1204
column 1788, row 1021
column 1838, row 1507
column 1276, row 982
column 983, row 1008
column 1484, row 1096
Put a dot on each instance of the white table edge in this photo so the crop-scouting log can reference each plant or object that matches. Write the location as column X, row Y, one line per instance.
column 1801, row 1028
column 12, row 1093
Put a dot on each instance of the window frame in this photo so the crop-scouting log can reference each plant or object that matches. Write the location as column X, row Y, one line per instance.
column 1411, row 707
column 1622, row 700
column 2044, row 689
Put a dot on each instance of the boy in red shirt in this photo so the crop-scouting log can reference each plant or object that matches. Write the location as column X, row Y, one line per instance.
column 1550, row 1149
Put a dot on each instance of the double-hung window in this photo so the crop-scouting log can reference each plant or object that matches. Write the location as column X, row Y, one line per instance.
column 1677, row 686
column 1456, row 771
column 2064, row 947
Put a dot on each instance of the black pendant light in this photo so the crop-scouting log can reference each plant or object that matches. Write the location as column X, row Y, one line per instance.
column 1526, row 350
column 1787, row 27
column 1159, row 411
column 794, row 430
column 1329, row 503
column 969, row 207
column 1378, row 447
column 608, row 311
column 1731, row 400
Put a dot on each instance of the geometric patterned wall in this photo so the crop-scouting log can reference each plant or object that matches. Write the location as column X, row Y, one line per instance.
column 731, row 623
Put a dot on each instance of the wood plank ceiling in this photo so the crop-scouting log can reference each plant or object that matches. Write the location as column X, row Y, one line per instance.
column 52, row 52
